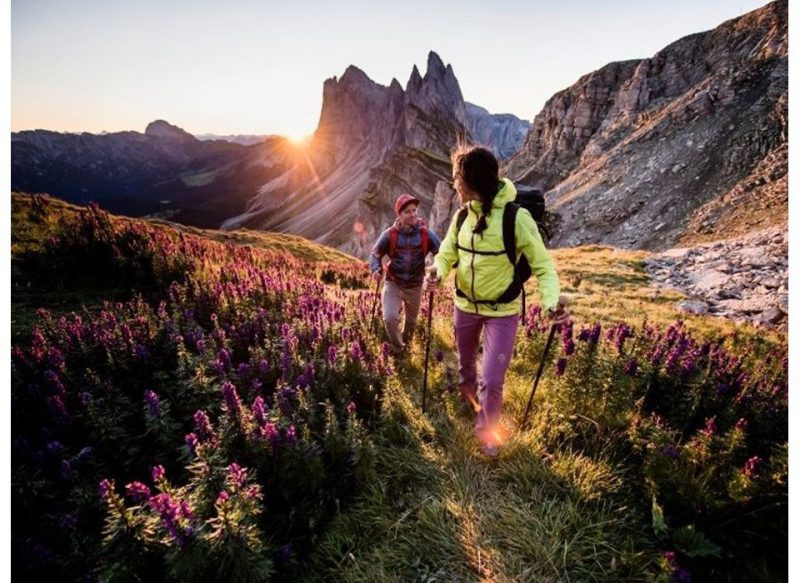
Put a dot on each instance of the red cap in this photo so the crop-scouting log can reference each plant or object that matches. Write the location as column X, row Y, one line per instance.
column 403, row 201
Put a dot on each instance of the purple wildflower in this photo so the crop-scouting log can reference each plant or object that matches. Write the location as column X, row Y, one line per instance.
column 741, row 424
column 594, row 334
column 561, row 366
column 439, row 356
column 171, row 514
column 269, row 431
column 222, row 498
column 355, row 351
column 260, row 410
column 54, row 447
column 157, row 473
column 291, row 434
column 231, row 398
column 106, row 487
column 631, row 366
column 141, row 353
column 751, row 466
column 224, row 357
column 137, row 491
column 237, row 475
column 671, row 451
column 351, row 407
column 152, row 401
column 710, row 427
column 332, row 355
column 191, row 442
column 202, row 425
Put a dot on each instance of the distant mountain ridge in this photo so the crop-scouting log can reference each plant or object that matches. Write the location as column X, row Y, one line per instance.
column 687, row 146
column 243, row 139
column 366, row 134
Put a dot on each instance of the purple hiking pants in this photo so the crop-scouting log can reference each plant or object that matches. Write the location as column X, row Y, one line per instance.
column 499, row 334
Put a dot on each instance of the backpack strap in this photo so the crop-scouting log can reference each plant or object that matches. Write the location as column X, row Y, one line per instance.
column 509, row 235
column 393, row 232
column 424, row 240
column 461, row 217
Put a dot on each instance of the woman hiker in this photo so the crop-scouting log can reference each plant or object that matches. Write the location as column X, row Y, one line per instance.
column 407, row 242
column 483, row 273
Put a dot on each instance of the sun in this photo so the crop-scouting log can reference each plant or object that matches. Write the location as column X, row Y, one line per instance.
column 298, row 138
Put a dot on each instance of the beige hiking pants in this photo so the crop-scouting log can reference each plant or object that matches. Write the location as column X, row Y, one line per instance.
column 395, row 297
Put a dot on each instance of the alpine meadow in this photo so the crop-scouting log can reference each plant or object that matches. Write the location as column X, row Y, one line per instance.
column 208, row 381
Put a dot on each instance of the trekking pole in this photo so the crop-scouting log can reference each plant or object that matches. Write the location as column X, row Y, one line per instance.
column 427, row 350
column 374, row 305
column 562, row 302
column 524, row 302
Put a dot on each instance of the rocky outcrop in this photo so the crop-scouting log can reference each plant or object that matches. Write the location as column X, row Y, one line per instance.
column 503, row 133
column 163, row 129
column 745, row 279
column 643, row 154
column 372, row 143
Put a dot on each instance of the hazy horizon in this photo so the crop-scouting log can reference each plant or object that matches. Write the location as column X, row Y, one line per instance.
column 249, row 68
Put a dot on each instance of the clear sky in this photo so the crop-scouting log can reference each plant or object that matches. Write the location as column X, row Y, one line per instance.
column 257, row 66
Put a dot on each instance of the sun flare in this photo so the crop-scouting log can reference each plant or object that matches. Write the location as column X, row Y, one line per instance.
column 299, row 139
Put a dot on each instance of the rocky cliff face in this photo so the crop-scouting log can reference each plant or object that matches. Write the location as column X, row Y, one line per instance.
column 689, row 145
column 372, row 143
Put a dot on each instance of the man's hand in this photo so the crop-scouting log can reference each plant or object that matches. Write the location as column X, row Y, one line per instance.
column 431, row 279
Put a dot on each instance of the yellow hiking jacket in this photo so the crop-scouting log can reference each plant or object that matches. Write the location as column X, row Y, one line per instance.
column 485, row 277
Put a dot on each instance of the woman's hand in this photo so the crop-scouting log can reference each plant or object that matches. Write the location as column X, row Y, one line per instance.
column 431, row 279
column 377, row 275
column 559, row 315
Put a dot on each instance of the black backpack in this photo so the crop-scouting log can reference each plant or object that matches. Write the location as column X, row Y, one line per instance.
column 532, row 200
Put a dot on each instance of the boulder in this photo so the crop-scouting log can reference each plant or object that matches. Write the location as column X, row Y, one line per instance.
column 693, row 307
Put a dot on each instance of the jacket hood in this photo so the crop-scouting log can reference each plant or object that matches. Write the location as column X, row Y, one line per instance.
column 507, row 193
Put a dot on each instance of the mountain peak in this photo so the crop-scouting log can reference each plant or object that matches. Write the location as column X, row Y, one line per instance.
column 414, row 81
column 163, row 129
column 435, row 65
column 354, row 74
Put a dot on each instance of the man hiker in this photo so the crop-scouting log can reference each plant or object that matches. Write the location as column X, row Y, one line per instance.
column 407, row 243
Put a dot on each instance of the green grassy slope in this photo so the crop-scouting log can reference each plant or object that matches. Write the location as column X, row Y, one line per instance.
column 439, row 510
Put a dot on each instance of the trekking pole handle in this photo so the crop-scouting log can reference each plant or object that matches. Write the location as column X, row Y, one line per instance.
column 561, row 307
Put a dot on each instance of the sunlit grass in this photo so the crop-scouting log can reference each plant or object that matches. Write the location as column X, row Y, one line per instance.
column 438, row 509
